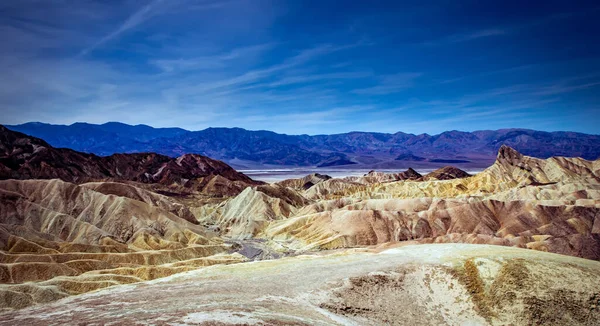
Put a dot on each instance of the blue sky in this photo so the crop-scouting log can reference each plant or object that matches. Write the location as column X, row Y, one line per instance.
column 315, row 67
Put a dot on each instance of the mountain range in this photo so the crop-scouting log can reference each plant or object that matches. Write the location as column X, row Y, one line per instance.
column 243, row 148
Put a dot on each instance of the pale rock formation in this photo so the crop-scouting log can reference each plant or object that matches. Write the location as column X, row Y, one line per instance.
column 70, row 239
column 441, row 284
column 305, row 182
column 550, row 205
column 148, row 197
column 566, row 229
column 251, row 211
column 374, row 177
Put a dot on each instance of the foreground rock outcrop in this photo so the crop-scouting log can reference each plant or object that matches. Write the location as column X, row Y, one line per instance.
column 448, row 284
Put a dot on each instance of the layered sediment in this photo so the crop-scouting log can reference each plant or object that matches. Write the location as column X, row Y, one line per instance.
column 72, row 223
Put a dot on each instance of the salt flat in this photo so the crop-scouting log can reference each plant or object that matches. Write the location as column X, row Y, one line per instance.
column 275, row 175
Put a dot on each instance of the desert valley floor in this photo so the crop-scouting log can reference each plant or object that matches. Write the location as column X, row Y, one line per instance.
column 146, row 238
column 277, row 175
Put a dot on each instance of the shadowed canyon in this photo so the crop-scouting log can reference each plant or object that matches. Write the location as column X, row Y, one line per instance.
column 148, row 238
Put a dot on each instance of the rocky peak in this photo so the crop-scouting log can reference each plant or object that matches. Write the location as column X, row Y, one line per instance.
column 506, row 153
column 11, row 141
column 411, row 174
column 304, row 182
column 447, row 173
column 376, row 176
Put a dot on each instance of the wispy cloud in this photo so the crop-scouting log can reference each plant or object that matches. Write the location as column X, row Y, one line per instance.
column 138, row 17
column 502, row 30
column 302, row 79
column 561, row 89
column 390, row 84
column 476, row 35
column 257, row 75
column 150, row 10
column 465, row 37
column 488, row 73
column 210, row 62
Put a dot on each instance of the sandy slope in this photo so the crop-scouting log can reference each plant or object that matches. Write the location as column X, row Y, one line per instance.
column 412, row 285
column 59, row 239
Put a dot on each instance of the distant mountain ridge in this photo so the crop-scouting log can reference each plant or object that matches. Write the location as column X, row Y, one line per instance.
column 244, row 148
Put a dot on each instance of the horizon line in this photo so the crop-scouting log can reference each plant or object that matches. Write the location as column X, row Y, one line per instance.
column 286, row 134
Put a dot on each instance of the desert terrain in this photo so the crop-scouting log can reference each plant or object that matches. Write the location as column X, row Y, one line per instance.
column 146, row 238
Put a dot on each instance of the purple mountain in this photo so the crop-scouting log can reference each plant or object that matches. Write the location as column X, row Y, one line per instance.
column 244, row 148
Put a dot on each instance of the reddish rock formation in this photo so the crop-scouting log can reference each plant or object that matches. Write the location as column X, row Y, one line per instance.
column 25, row 157
column 446, row 173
